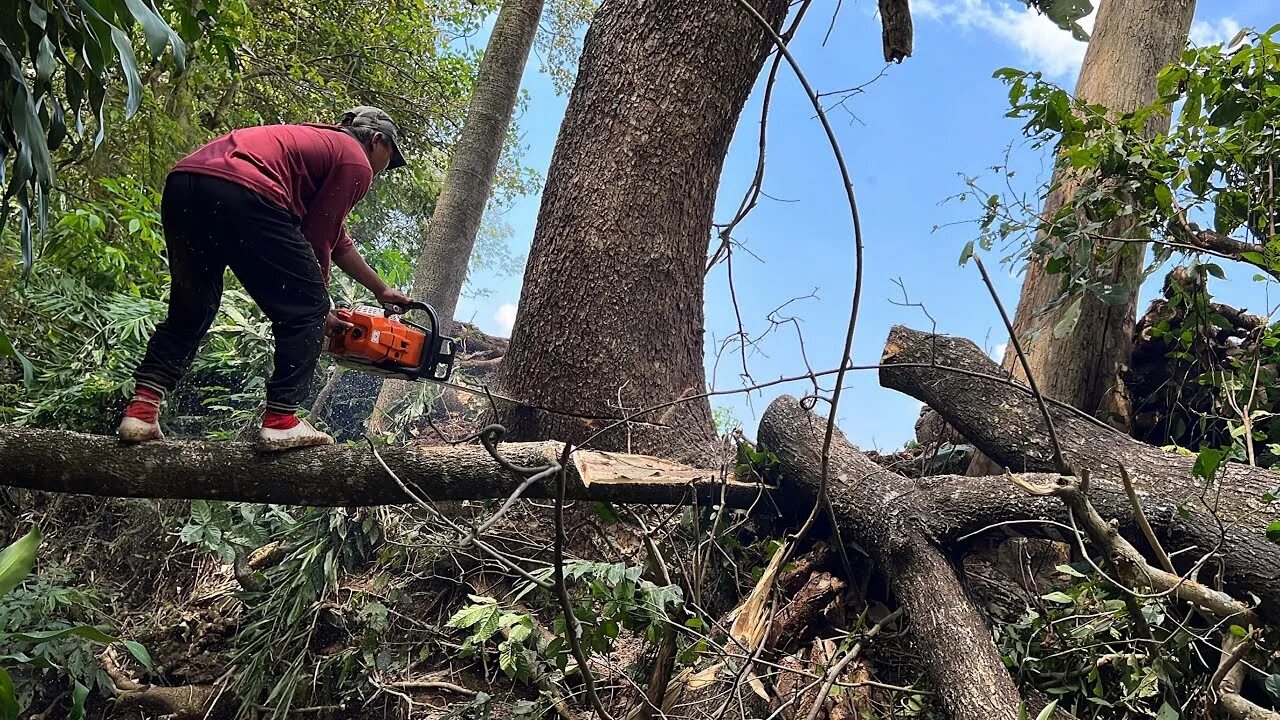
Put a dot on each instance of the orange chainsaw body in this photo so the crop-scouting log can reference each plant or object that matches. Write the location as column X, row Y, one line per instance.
column 385, row 345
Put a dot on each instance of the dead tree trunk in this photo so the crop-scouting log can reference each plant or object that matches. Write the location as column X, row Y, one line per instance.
column 876, row 511
column 611, row 310
column 1133, row 40
column 1226, row 516
column 451, row 234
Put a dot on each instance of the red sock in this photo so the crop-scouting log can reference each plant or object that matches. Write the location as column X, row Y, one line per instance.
column 279, row 421
column 145, row 405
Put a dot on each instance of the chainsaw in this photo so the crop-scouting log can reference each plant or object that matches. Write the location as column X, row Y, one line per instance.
column 377, row 342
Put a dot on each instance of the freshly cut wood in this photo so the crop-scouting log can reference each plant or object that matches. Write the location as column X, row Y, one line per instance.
column 1226, row 516
column 60, row 461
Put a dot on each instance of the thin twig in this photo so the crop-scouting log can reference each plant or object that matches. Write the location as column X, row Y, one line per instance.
column 1141, row 517
column 573, row 631
column 1026, row 368
column 847, row 353
column 838, row 669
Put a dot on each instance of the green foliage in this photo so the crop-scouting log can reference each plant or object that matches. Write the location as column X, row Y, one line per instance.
column 226, row 529
column 1066, row 14
column 279, row 663
column 64, row 647
column 608, row 599
column 56, row 66
column 1213, row 168
column 1077, row 649
column 484, row 618
column 759, row 463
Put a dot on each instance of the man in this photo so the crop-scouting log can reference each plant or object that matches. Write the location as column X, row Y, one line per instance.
column 269, row 202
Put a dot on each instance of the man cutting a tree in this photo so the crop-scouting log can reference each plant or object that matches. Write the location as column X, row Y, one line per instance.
column 270, row 203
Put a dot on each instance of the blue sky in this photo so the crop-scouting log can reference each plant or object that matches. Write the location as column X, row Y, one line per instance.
column 910, row 138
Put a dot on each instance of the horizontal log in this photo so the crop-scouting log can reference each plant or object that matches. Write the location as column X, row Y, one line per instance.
column 340, row 475
column 1227, row 516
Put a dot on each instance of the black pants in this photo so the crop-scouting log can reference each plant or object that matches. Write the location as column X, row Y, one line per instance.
column 211, row 224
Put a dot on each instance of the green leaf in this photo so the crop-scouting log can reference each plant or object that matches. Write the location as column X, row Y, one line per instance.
column 1058, row 597
column 129, row 65
column 1238, row 631
column 78, row 695
column 1273, row 532
column 17, row 560
column 966, row 253
column 1047, row 713
column 88, row 632
column 1207, row 463
column 1273, row 685
column 157, row 32
column 138, row 652
column 1069, row 319
column 1167, row 712
column 1068, row 570
column 8, row 350
column 8, row 702
column 1164, row 197
column 1254, row 258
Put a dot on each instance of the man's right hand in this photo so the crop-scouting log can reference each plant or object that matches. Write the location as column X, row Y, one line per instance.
column 333, row 324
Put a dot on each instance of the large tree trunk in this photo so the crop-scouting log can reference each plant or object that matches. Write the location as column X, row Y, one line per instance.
column 451, row 234
column 611, row 311
column 1227, row 515
column 1133, row 40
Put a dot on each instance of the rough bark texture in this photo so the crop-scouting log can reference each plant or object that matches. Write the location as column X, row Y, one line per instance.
column 629, row 194
column 1132, row 41
column 451, row 234
column 59, row 461
column 1005, row 423
column 878, row 511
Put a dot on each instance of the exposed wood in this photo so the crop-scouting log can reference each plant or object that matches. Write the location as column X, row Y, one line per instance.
column 60, row 461
column 1004, row 422
column 877, row 511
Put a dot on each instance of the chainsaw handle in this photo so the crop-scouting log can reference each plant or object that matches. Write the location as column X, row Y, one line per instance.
column 389, row 308
column 434, row 330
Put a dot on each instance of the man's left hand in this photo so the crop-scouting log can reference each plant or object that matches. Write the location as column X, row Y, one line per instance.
column 392, row 296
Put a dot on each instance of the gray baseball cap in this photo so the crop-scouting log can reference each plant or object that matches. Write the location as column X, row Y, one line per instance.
column 367, row 116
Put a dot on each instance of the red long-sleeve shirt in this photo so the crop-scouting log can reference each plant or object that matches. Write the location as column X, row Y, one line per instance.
column 317, row 172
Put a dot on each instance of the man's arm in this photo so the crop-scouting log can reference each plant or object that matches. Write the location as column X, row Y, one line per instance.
column 352, row 263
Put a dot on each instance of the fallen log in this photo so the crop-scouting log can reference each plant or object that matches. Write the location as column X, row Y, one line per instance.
column 341, row 475
column 877, row 509
column 1227, row 517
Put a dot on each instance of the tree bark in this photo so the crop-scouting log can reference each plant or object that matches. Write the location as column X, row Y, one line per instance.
column 451, row 234
column 339, row 476
column 877, row 511
column 1133, row 40
column 1227, row 516
column 611, row 309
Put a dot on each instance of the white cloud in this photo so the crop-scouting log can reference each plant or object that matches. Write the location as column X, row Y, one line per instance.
column 1211, row 32
column 997, row 352
column 1044, row 45
column 505, row 316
